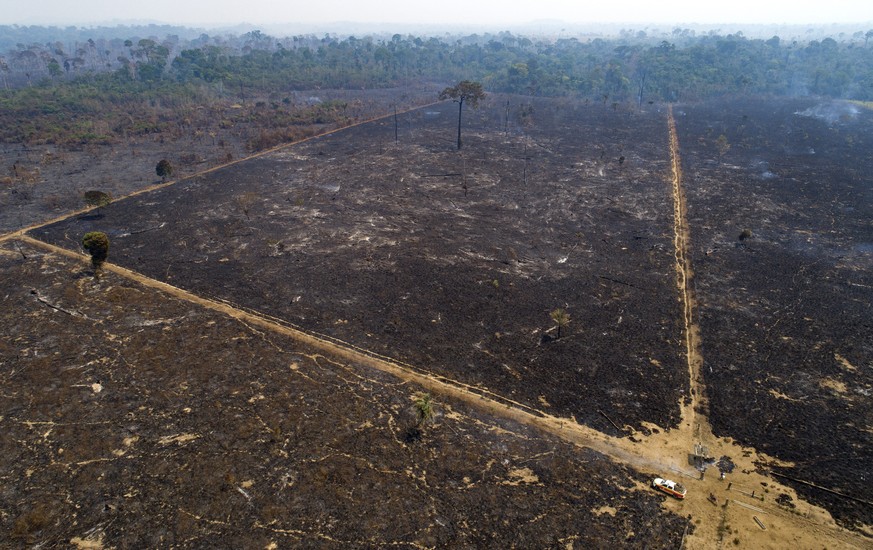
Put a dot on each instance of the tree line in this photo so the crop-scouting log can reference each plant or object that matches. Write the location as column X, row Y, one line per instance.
column 680, row 66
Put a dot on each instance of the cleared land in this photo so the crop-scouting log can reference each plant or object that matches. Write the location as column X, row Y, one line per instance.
column 786, row 313
column 132, row 418
column 48, row 174
column 449, row 263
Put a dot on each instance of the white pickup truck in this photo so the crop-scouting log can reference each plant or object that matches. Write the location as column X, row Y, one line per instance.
column 670, row 487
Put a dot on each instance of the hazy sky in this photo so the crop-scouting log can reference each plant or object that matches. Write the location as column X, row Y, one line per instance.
column 464, row 12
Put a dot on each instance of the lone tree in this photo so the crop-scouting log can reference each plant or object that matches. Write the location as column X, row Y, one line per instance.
column 164, row 169
column 561, row 319
column 97, row 244
column 97, row 199
column 246, row 201
column 464, row 91
column 423, row 405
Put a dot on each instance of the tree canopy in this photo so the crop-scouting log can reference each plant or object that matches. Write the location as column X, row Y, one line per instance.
column 164, row 169
column 96, row 243
column 464, row 91
column 97, row 198
column 50, row 75
column 561, row 319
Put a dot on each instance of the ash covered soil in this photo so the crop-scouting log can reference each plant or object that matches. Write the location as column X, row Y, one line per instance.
column 450, row 261
column 42, row 181
column 133, row 419
column 785, row 311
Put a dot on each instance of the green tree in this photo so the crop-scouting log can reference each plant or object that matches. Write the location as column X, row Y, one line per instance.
column 464, row 91
column 423, row 405
column 97, row 244
column 561, row 319
column 164, row 169
column 422, row 408
column 97, row 199
column 54, row 68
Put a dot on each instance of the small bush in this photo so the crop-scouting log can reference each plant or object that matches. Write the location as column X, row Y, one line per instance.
column 164, row 169
column 32, row 521
column 561, row 319
column 423, row 405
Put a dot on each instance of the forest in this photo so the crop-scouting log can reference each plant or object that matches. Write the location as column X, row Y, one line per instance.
column 65, row 91
column 680, row 66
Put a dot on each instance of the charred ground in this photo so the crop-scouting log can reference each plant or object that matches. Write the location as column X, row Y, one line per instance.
column 132, row 418
column 785, row 309
column 448, row 260
column 452, row 261
column 46, row 174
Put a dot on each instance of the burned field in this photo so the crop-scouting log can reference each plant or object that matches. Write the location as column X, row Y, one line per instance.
column 451, row 262
column 783, row 253
column 448, row 261
column 43, row 179
column 134, row 418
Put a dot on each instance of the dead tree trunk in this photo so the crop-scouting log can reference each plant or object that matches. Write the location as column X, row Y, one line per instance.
column 460, row 110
